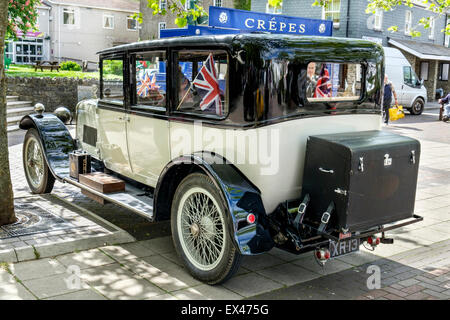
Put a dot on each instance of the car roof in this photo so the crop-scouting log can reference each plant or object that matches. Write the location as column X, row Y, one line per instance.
column 265, row 39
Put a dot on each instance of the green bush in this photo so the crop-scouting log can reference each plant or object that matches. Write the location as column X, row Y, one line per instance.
column 114, row 67
column 70, row 66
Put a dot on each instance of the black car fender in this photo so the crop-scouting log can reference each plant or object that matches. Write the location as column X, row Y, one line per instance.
column 238, row 194
column 56, row 141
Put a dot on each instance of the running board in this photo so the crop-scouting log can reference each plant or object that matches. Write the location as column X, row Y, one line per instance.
column 132, row 198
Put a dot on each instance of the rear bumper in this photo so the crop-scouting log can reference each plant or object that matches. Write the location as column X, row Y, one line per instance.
column 379, row 229
column 323, row 239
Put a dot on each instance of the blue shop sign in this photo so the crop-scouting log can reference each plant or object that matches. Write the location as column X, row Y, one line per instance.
column 274, row 23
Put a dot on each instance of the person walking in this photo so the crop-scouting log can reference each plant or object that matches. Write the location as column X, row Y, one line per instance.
column 387, row 99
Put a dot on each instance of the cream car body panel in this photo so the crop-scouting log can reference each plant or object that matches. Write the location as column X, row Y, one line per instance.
column 148, row 147
column 256, row 152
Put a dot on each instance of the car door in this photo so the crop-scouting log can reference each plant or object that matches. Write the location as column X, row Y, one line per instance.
column 147, row 125
column 409, row 87
column 111, row 113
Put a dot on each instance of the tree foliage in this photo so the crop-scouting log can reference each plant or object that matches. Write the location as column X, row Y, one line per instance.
column 184, row 10
column 242, row 4
column 22, row 16
column 436, row 9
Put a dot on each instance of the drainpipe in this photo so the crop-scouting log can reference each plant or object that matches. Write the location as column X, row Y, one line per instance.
column 348, row 18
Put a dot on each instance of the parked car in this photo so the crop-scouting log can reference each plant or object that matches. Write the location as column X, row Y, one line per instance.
column 411, row 92
column 259, row 141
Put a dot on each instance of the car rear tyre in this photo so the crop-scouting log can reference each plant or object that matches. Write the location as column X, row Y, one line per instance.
column 199, row 231
column 37, row 173
column 417, row 107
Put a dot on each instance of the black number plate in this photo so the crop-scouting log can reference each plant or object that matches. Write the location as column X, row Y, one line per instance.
column 343, row 247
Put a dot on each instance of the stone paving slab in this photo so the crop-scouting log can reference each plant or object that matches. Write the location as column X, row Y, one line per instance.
column 90, row 232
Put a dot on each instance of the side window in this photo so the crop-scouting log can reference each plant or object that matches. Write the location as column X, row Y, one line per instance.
column 409, row 77
column 150, row 73
column 202, row 82
column 328, row 81
column 112, row 80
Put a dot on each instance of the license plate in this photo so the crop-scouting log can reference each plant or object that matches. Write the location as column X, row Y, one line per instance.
column 339, row 248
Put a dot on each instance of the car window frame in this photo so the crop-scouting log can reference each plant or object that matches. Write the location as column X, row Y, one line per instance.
column 364, row 68
column 122, row 106
column 173, row 72
column 132, row 96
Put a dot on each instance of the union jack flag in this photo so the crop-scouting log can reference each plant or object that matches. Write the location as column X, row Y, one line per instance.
column 145, row 85
column 323, row 86
column 208, row 86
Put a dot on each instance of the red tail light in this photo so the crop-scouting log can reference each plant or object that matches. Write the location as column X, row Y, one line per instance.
column 251, row 218
column 373, row 241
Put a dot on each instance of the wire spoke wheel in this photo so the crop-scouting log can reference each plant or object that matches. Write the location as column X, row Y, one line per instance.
column 200, row 225
column 38, row 175
column 34, row 162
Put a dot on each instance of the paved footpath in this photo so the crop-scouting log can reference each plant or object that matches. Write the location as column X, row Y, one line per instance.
column 416, row 267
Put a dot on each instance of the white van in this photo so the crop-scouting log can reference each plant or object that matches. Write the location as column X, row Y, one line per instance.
column 411, row 92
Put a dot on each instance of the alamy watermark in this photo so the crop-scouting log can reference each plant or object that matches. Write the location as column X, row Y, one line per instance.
column 255, row 147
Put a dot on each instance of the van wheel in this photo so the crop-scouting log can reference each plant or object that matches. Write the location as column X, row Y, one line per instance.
column 417, row 107
column 37, row 173
column 199, row 231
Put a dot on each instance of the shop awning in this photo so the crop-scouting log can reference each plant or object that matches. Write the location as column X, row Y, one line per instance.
column 421, row 50
column 30, row 34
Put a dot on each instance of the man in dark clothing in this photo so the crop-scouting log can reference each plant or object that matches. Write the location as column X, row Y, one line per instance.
column 445, row 101
column 387, row 99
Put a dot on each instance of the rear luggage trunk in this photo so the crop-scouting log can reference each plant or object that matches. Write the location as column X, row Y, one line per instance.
column 371, row 177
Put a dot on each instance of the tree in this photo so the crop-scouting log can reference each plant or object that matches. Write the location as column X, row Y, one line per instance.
column 15, row 15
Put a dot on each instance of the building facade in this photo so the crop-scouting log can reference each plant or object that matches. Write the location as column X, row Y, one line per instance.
column 76, row 30
column 428, row 54
column 151, row 24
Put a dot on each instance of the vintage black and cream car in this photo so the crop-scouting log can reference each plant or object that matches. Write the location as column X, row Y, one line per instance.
column 245, row 142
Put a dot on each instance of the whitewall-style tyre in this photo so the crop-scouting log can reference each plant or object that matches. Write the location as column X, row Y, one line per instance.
column 200, row 232
column 37, row 173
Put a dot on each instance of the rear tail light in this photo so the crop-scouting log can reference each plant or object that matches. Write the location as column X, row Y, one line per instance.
column 322, row 255
column 251, row 218
column 373, row 241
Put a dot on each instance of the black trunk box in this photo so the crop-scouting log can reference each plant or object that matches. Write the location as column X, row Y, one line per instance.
column 371, row 177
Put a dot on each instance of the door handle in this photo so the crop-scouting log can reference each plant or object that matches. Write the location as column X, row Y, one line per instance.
column 326, row 171
column 125, row 118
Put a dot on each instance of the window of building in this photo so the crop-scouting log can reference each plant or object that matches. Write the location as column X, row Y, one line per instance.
column 202, row 83
column 161, row 26
column 273, row 10
column 333, row 81
column 112, row 80
column 217, row 3
column 333, row 12
column 424, row 66
column 131, row 23
column 378, row 19
column 443, row 71
column 431, row 34
column 68, row 16
column 108, row 21
column 408, row 22
column 150, row 84
column 162, row 4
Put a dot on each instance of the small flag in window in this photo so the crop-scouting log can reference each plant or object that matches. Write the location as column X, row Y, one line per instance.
column 208, row 86
column 323, row 87
column 145, row 85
